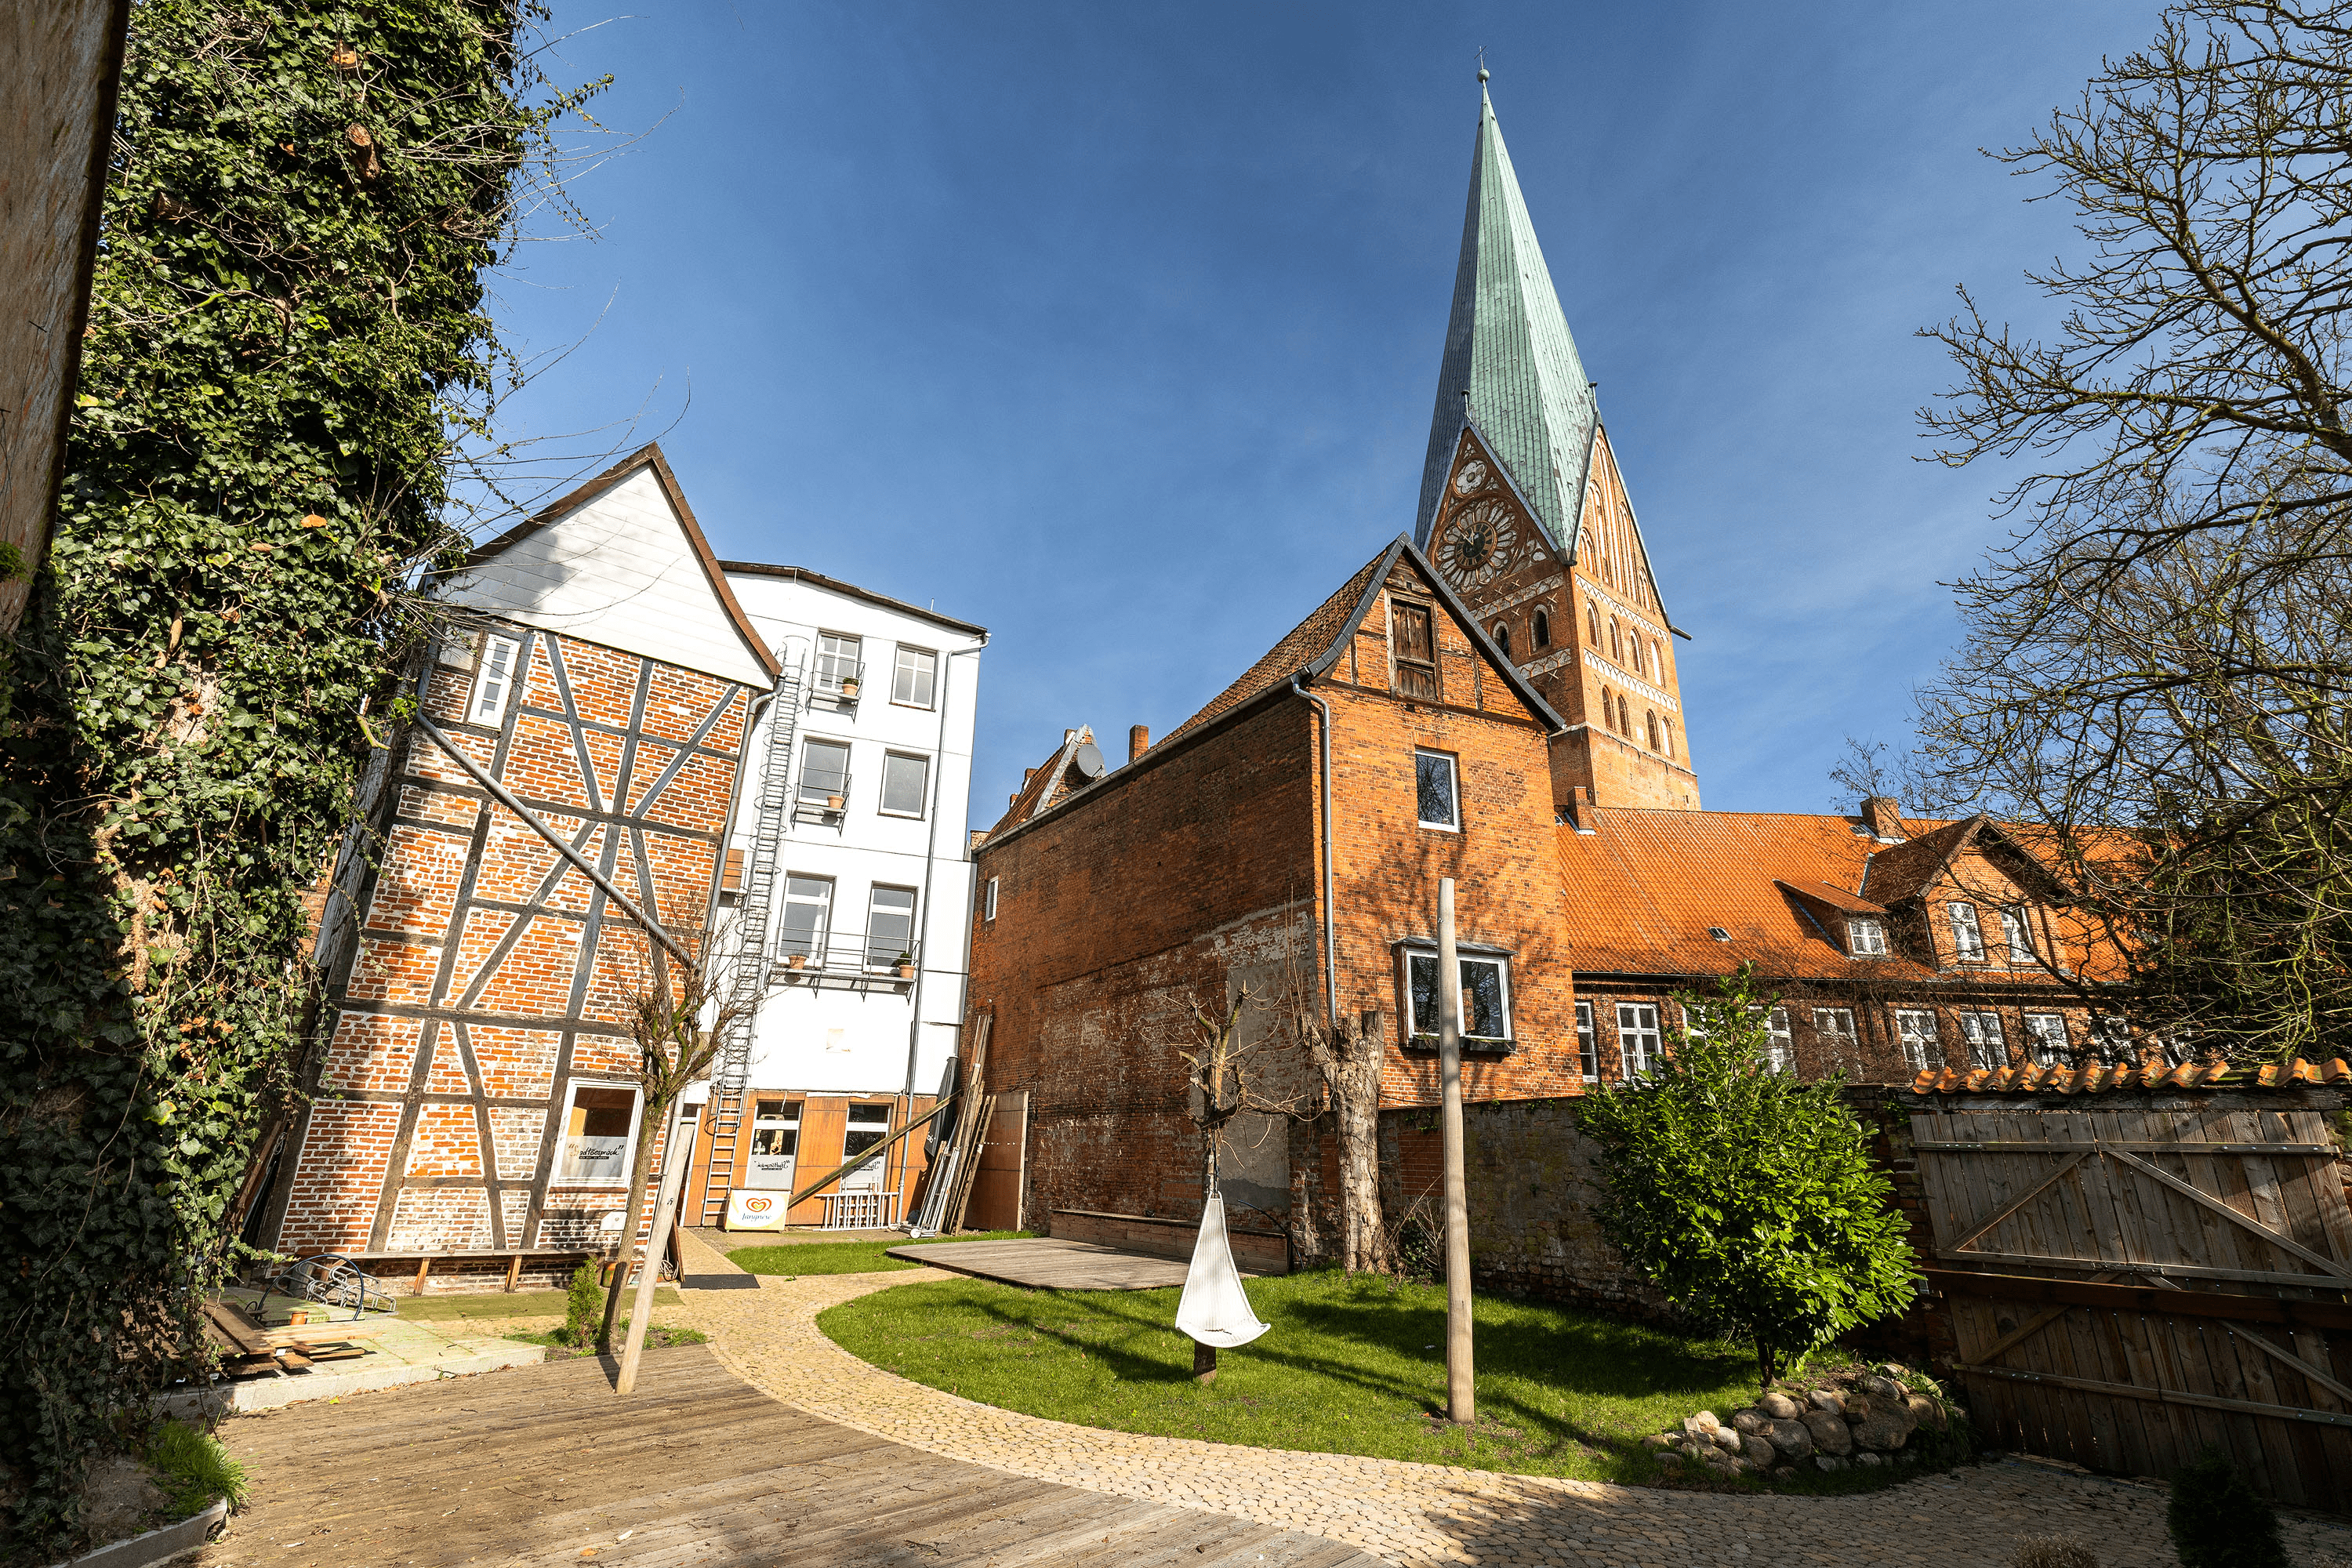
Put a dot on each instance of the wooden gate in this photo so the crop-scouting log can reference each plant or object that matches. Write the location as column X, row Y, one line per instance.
column 2126, row 1287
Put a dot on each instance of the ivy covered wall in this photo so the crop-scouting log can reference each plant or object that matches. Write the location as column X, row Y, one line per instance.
column 287, row 338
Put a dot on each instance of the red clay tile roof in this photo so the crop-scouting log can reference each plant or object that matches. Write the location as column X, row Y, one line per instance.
column 1297, row 650
column 1900, row 870
column 1835, row 898
column 1045, row 787
column 2095, row 1078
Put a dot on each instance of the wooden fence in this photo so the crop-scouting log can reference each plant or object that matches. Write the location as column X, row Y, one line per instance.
column 2128, row 1287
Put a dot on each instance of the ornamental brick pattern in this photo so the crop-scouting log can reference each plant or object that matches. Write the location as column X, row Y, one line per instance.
column 491, row 977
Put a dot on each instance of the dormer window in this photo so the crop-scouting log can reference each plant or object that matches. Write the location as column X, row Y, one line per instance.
column 1866, row 937
column 1968, row 936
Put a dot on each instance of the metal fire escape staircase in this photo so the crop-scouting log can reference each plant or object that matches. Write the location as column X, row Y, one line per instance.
column 731, row 1074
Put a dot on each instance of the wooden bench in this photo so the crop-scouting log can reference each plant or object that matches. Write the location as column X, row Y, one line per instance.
column 515, row 1256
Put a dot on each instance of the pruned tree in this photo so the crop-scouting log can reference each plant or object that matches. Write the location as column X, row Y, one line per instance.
column 2155, row 675
column 1747, row 1195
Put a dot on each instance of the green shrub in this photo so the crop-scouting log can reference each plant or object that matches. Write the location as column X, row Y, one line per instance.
column 583, row 1307
column 193, row 1468
column 2217, row 1521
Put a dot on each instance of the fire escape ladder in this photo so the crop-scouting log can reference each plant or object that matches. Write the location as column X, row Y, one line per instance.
column 731, row 1074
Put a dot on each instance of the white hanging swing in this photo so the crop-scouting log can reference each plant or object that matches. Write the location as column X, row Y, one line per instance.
column 1215, row 1311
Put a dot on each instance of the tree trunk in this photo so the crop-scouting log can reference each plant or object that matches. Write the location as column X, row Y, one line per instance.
column 1353, row 1073
column 640, row 1192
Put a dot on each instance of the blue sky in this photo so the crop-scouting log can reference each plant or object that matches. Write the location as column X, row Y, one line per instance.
column 1116, row 328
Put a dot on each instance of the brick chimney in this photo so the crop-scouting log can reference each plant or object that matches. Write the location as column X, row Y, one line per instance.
column 1138, row 740
column 1883, row 817
column 1577, row 809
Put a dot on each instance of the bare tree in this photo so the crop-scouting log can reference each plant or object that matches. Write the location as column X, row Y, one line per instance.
column 2156, row 672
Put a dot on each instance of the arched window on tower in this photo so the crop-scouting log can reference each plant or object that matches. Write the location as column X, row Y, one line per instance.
column 1543, row 637
column 1616, row 640
column 1666, row 733
column 1657, row 661
column 1634, row 647
column 1592, row 620
column 1650, row 721
column 1503, row 639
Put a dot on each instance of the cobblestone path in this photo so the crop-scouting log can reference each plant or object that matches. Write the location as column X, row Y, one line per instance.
column 1412, row 1514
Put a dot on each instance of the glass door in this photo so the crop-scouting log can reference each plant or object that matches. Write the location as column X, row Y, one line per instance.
column 775, row 1144
column 869, row 1125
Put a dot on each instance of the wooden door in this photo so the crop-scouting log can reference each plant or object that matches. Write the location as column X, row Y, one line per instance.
column 2127, row 1288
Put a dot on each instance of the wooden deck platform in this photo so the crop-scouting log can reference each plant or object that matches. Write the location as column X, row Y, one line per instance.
column 1046, row 1263
column 545, row 1466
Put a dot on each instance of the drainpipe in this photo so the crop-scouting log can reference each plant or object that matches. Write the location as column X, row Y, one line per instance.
column 1330, row 923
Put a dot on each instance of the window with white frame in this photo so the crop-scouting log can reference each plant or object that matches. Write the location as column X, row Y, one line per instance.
column 1485, row 996
column 867, row 1126
column 775, row 1143
column 808, row 915
column 915, row 676
column 1588, row 1050
column 1780, row 1044
column 1988, row 1047
column 2046, row 1036
column 1638, row 1038
column 1834, row 1026
column 906, row 783
column 2112, row 1037
column 599, row 1130
column 824, row 774
column 493, row 681
column 890, row 927
column 1915, row 1030
column 987, row 900
column 839, row 662
column 1968, row 937
column 1435, row 789
column 2017, row 936
column 1866, row 937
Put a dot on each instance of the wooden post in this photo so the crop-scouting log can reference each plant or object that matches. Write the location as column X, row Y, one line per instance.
column 1204, row 1363
column 1460, row 1402
column 424, row 1266
column 641, row 1312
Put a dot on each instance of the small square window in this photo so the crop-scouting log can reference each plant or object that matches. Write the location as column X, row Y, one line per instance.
column 914, row 676
column 1485, row 997
column 906, row 783
column 1866, row 937
column 494, row 681
column 600, row 1128
column 1434, row 790
column 987, row 900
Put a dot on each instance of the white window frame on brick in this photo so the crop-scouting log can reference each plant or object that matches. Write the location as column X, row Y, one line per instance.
column 1781, row 1042
column 565, row 1162
column 1419, row 1029
column 892, row 760
column 1915, row 1033
column 1866, row 936
column 1640, row 1043
column 1988, row 1045
column 494, row 681
column 2046, row 1040
column 1836, row 1026
column 914, row 678
column 2017, row 936
column 1588, row 1046
column 1422, row 757
column 1968, row 932
column 987, row 900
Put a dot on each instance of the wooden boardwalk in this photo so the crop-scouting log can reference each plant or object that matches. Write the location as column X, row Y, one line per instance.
column 545, row 1466
column 1043, row 1263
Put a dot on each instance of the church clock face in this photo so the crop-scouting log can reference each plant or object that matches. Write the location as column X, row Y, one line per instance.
column 1483, row 544
column 1473, row 475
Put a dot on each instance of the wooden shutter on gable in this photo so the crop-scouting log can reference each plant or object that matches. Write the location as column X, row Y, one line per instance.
column 1415, row 651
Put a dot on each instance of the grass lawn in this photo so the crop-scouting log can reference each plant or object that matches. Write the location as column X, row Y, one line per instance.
column 847, row 1256
column 498, row 1304
column 1350, row 1366
column 659, row 1337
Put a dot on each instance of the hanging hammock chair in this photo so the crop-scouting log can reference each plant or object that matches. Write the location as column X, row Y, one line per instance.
column 1215, row 1310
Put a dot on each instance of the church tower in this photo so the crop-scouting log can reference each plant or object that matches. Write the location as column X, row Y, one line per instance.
column 1523, row 510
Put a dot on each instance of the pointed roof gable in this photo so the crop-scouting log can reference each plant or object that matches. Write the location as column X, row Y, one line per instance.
column 1508, row 346
column 1049, row 787
column 619, row 562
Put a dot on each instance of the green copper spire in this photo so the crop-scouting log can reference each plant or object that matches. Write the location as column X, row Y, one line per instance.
column 1508, row 346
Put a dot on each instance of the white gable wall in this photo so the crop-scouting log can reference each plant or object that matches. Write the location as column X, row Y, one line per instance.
column 617, row 570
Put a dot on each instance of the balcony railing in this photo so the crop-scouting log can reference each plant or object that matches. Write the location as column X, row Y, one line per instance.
column 820, row 796
column 867, row 963
column 840, row 685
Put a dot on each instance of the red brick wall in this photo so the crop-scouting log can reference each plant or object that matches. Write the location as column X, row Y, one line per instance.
column 490, row 975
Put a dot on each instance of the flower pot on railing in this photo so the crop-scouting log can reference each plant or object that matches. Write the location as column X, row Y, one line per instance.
column 849, row 690
column 797, row 960
column 833, row 803
column 906, row 972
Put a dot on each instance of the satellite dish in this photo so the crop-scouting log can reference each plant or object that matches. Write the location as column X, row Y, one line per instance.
column 1089, row 761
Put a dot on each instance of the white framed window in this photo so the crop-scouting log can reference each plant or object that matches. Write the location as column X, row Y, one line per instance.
column 914, row 676
column 1588, row 1050
column 494, row 681
column 890, row 927
column 987, row 900
column 1638, row 1041
column 2017, row 936
column 1437, row 795
column 808, row 916
column 2112, row 1035
column 1866, row 936
column 600, row 1134
column 1835, row 1026
column 775, row 1143
column 1486, row 984
column 906, row 783
column 1915, row 1031
column 839, row 663
column 1780, row 1044
column 824, row 774
column 1968, row 937
column 2045, row 1036
column 1988, row 1047
column 867, row 1125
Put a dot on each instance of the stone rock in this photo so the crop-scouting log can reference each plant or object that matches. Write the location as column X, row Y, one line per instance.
column 1725, row 1439
column 1830, row 1433
column 1881, row 1387
column 1779, row 1407
column 1692, row 1430
column 1707, row 1421
column 1793, row 1438
column 1745, row 1422
column 1883, row 1433
column 1759, row 1451
column 1856, row 1407
column 1671, row 1462
column 1828, row 1463
column 1868, row 1460
column 1926, row 1412
column 1782, row 1473
column 1662, row 1440
column 1822, row 1399
column 1898, row 1369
